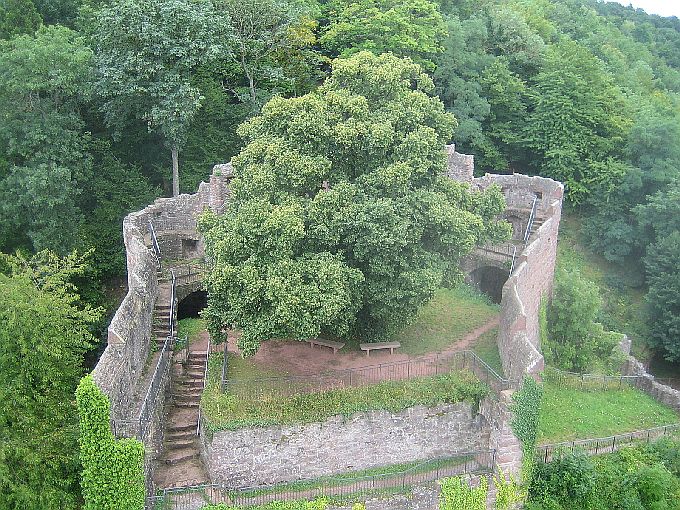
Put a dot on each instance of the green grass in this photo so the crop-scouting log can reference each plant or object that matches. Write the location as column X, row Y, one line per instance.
column 486, row 347
column 190, row 327
column 351, row 477
column 571, row 413
column 447, row 318
column 226, row 411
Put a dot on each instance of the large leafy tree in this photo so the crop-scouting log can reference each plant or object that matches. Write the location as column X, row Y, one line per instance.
column 18, row 17
column 340, row 219
column 663, row 276
column 43, row 336
column 263, row 31
column 146, row 53
column 412, row 28
column 578, row 121
column 43, row 82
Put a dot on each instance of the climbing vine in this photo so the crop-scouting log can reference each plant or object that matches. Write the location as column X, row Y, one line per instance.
column 113, row 471
column 526, row 407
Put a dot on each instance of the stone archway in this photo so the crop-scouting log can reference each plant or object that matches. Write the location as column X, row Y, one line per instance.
column 490, row 281
column 192, row 304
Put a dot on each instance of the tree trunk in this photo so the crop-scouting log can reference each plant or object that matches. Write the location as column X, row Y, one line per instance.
column 175, row 172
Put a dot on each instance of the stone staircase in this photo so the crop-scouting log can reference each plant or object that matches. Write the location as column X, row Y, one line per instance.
column 538, row 222
column 180, row 464
column 161, row 313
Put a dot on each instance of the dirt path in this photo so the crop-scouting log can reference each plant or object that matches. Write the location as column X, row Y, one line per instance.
column 299, row 358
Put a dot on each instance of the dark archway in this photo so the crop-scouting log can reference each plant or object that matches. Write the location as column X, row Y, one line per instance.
column 490, row 281
column 192, row 304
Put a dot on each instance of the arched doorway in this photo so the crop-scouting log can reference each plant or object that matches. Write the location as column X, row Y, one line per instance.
column 191, row 305
column 490, row 281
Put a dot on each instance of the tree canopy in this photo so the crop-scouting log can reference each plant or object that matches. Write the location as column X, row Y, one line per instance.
column 341, row 221
column 44, row 334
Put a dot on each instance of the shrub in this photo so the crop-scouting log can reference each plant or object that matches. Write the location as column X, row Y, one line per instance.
column 457, row 494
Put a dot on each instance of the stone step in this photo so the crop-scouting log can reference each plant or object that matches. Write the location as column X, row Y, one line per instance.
column 179, row 456
column 190, row 383
column 181, row 436
column 187, row 405
column 180, row 445
column 175, row 429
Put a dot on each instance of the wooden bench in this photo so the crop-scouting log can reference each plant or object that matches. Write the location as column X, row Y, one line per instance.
column 326, row 343
column 368, row 347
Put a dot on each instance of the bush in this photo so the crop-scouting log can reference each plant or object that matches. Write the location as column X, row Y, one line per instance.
column 574, row 340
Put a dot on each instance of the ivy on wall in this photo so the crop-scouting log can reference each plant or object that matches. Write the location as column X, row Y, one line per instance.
column 526, row 407
column 113, row 470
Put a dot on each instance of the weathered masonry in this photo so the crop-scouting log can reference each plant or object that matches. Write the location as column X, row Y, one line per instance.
column 519, row 274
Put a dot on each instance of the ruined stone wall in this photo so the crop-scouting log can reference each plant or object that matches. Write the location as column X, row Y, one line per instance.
column 531, row 280
column 647, row 382
column 268, row 455
column 129, row 334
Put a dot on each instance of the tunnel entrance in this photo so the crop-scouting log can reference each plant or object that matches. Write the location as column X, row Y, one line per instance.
column 192, row 304
column 490, row 281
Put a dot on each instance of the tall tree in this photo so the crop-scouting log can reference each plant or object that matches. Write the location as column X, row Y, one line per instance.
column 146, row 53
column 44, row 80
column 408, row 28
column 341, row 220
column 262, row 31
column 18, row 17
column 43, row 336
column 578, row 121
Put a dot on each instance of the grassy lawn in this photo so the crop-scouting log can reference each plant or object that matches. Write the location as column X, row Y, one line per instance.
column 568, row 413
column 225, row 411
column 447, row 318
column 486, row 347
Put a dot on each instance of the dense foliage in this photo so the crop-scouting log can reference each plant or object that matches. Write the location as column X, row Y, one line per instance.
column 113, row 470
column 574, row 339
column 43, row 335
column 341, row 221
column 641, row 478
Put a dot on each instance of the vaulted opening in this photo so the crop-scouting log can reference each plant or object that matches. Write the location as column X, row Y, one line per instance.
column 490, row 281
column 191, row 305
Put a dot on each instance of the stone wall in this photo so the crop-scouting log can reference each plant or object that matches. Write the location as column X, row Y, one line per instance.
column 532, row 277
column 268, row 455
column 129, row 334
column 647, row 383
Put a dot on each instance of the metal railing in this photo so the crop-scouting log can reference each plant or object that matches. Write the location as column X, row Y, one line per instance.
column 530, row 223
column 189, row 273
column 141, row 426
column 589, row 382
column 195, row 497
column 267, row 387
column 205, row 380
column 173, row 297
column 154, row 244
column 596, row 446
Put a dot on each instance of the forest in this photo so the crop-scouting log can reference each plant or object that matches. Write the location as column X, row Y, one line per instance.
column 107, row 105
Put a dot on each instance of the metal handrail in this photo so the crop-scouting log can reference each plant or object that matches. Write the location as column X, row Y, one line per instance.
column 530, row 223
column 172, row 303
column 205, row 378
column 154, row 243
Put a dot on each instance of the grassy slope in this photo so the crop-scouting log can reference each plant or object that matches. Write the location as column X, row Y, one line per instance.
column 568, row 413
column 486, row 347
column 447, row 318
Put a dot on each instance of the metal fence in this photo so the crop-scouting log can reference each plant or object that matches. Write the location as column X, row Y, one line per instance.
column 189, row 273
column 600, row 445
column 589, row 382
column 263, row 388
column 193, row 498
